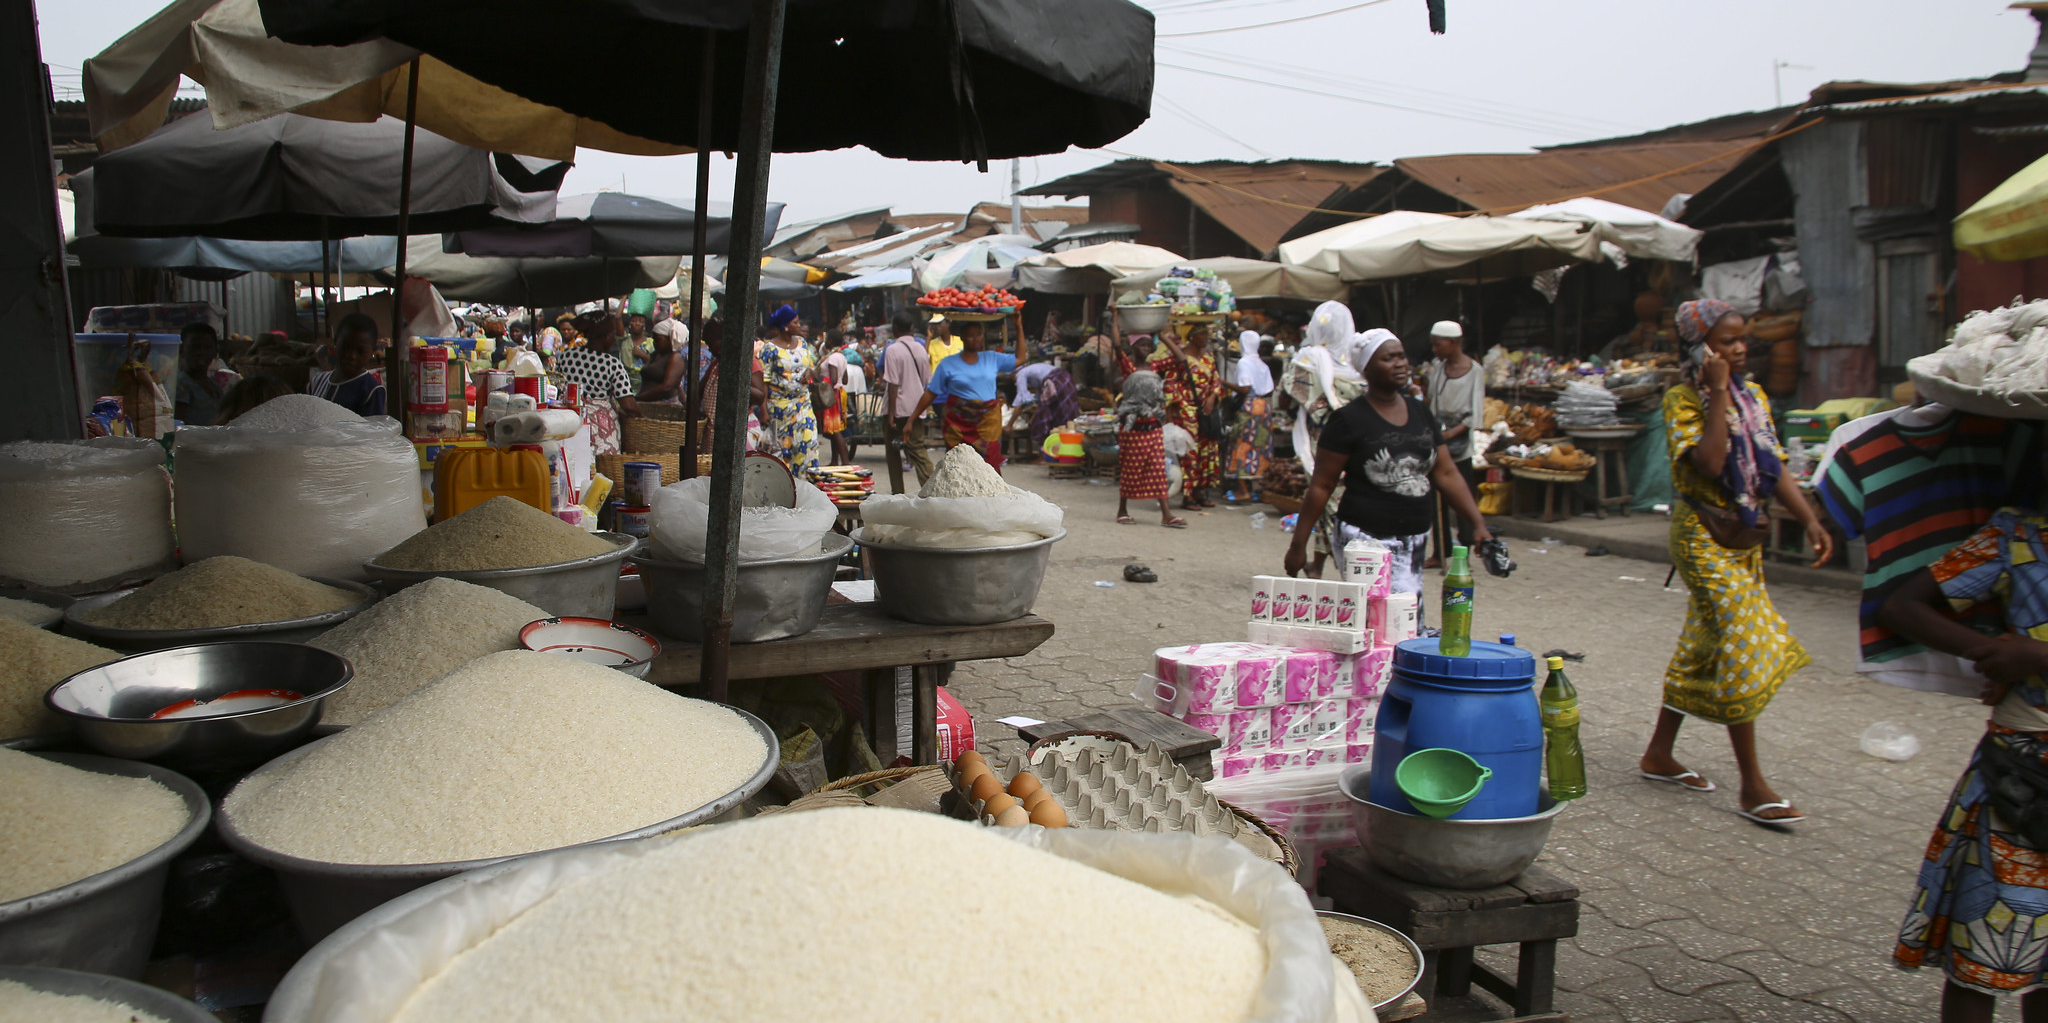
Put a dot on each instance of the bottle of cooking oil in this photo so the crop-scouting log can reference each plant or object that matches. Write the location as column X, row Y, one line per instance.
column 1563, row 759
column 1455, row 638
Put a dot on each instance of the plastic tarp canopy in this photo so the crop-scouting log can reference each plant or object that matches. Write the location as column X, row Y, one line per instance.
column 1252, row 279
column 95, row 250
column 1634, row 232
column 249, row 76
column 949, row 267
column 505, row 280
column 1090, row 269
column 1485, row 246
column 1319, row 251
column 898, row 277
column 610, row 224
column 2011, row 222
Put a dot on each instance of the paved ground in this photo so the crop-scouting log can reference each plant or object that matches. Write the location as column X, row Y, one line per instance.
column 1689, row 912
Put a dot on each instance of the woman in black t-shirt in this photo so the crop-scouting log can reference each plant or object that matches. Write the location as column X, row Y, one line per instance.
column 1390, row 454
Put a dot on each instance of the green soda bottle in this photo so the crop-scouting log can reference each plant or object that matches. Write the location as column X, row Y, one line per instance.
column 1455, row 639
column 1563, row 759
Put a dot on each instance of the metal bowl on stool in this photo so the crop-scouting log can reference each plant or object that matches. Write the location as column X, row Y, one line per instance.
column 957, row 585
column 289, row 630
column 1445, row 853
column 105, row 923
column 109, row 706
column 773, row 599
column 584, row 588
column 1408, row 943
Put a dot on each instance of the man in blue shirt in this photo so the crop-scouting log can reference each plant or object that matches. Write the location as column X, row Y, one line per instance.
column 351, row 384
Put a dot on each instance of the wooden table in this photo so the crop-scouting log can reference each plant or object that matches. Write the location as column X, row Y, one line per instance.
column 858, row 637
column 1605, row 451
column 1532, row 911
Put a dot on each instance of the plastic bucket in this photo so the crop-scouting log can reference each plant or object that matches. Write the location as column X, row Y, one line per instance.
column 1440, row 781
column 1482, row 705
column 95, row 357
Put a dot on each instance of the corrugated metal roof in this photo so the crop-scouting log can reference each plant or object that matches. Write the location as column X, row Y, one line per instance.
column 1259, row 202
column 1965, row 95
column 1505, row 182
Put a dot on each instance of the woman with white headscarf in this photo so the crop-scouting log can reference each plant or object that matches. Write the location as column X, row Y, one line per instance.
column 1251, row 441
column 1321, row 380
column 1389, row 453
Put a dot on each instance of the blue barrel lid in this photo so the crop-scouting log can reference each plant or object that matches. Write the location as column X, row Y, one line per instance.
column 1486, row 662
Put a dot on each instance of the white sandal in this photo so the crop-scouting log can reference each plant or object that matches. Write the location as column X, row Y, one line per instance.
column 1679, row 780
column 1755, row 813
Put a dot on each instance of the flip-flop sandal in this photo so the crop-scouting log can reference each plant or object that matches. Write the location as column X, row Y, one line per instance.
column 1755, row 813
column 1175, row 523
column 1126, row 520
column 1679, row 780
column 1139, row 574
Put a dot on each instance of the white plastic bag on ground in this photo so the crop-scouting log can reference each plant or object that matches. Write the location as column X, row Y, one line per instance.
column 317, row 501
column 1019, row 516
column 364, row 972
column 681, row 522
column 84, row 515
column 1889, row 740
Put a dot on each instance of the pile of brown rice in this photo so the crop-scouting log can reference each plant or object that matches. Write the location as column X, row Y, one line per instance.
column 31, row 661
column 59, row 824
column 417, row 635
column 219, row 592
column 499, row 533
column 512, row 753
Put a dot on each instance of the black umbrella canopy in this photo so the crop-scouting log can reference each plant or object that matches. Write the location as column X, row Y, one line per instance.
column 996, row 78
column 293, row 178
column 608, row 224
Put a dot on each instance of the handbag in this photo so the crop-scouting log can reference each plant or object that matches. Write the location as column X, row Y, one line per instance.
column 2018, row 787
column 1209, row 425
column 1726, row 526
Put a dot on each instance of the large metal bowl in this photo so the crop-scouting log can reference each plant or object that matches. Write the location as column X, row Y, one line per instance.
column 773, row 599
column 1414, row 951
column 289, row 630
column 105, row 923
column 1445, row 853
column 109, row 706
column 1143, row 319
column 583, row 588
column 324, row 896
column 135, row 997
column 958, row 585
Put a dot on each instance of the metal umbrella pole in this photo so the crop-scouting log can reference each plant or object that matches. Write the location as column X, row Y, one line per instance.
column 687, row 463
column 749, row 196
column 394, row 360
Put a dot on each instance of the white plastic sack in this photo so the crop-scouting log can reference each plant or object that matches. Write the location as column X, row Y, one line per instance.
column 84, row 515
column 1019, row 516
column 680, row 520
column 317, row 502
column 364, row 972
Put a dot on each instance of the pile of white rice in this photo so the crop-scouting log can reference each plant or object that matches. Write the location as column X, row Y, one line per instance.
column 964, row 473
column 499, row 533
column 18, row 1001
column 219, row 592
column 512, row 753
column 28, row 611
column 850, row 915
column 289, row 412
column 59, row 824
column 31, row 661
column 417, row 635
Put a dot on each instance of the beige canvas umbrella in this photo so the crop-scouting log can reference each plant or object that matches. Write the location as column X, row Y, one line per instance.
column 1251, row 279
column 221, row 44
column 1089, row 269
column 1489, row 247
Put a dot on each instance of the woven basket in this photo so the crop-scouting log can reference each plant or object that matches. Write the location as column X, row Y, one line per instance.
column 613, row 467
column 1289, row 858
column 668, row 413
column 1287, row 505
column 1548, row 475
column 641, row 435
column 874, row 780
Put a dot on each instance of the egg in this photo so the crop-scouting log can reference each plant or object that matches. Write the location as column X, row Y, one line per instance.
column 1036, row 797
column 1014, row 817
column 1024, row 784
column 969, row 773
column 1049, row 815
column 985, row 787
column 970, row 757
column 997, row 803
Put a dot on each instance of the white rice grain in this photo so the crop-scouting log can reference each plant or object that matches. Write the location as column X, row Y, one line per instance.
column 59, row 824
column 417, row 635
column 512, row 753
column 499, row 533
column 851, row 915
column 20, row 1002
column 31, row 661
column 292, row 412
column 29, row 611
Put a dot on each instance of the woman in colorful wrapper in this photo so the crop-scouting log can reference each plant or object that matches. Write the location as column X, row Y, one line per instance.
column 1194, row 393
column 1982, row 899
column 1251, row 441
column 789, row 371
column 1735, row 650
column 1140, row 442
column 967, row 381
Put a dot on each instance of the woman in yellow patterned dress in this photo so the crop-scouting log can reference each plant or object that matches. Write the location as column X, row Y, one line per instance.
column 1735, row 650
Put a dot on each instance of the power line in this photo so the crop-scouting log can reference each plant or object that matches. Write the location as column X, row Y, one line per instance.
column 1270, row 24
column 1476, row 118
column 1197, row 119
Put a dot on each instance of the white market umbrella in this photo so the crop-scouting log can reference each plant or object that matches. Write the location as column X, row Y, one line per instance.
column 1320, row 251
column 1090, row 269
column 1489, row 246
column 976, row 261
column 1629, row 231
column 1251, row 279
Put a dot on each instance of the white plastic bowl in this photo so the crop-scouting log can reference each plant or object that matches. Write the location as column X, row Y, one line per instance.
column 596, row 640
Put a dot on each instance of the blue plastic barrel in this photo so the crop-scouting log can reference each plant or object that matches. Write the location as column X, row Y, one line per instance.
column 1482, row 705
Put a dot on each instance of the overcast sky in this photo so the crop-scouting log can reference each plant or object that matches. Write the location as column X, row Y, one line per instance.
column 1347, row 80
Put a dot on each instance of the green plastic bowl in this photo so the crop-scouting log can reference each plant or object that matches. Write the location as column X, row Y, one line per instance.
column 1440, row 781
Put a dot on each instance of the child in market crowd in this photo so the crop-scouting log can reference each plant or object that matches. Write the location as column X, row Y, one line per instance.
column 351, row 384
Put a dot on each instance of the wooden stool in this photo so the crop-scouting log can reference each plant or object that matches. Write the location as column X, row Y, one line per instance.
column 1605, row 450
column 1553, row 484
column 1187, row 745
column 1533, row 911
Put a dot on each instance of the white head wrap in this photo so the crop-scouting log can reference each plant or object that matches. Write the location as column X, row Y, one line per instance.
column 1368, row 345
column 1248, row 342
column 1330, row 326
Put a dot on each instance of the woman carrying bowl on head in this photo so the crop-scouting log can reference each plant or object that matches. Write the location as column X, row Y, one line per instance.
column 1735, row 650
column 967, row 381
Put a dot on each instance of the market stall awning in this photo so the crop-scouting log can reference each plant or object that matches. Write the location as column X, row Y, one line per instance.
column 222, row 44
column 1319, row 251
column 1090, row 269
column 504, row 280
column 96, row 251
column 1632, row 232
column 976, row 262
column 1251, row 279
column 608, row 224
column 2011, row 222
column 895, row 277
column 1487, row 247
